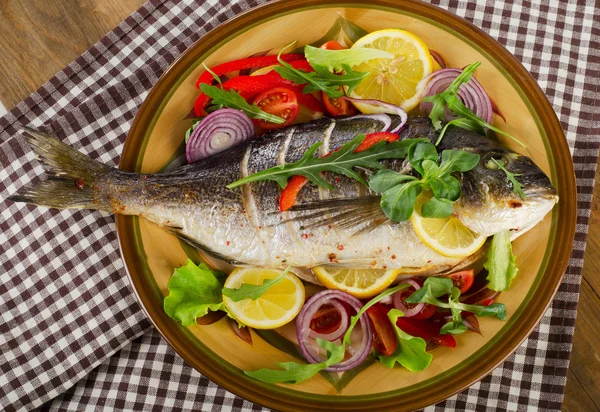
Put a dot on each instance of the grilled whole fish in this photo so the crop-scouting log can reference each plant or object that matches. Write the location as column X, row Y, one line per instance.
column 243, row 226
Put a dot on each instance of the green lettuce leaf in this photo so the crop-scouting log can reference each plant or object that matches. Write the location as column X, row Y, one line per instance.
column 193, row 291
column 410, row 352
column 336, row 59
column 501, row 262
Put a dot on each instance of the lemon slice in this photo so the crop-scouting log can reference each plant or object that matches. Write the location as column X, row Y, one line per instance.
column 361, row 283
column 276, row 307
column 393, row 80
column 447, row 236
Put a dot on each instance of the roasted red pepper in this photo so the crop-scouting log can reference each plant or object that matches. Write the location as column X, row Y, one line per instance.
column 426, row 330
column 289, row 195
column 250, row 86
column 373, row 138
column 242, row 64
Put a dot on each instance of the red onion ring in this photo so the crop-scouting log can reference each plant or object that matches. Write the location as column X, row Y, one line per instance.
column 342, row 327
column 396, row 109
column 409, row 312
column 220, row 130
column 472, row 93
column 308, row 311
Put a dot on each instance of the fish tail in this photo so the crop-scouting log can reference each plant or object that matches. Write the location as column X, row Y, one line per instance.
column 71, row 175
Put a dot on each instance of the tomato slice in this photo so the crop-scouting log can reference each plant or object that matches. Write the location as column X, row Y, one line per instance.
column 332, row 45
column 384, row 337
column 463, row 279
column 338, row 107
column 326, row 320
column 280, row 101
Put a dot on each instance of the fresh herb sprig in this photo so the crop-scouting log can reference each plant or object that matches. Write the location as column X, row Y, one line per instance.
column 341, row 161
column 399, row 192
column 436, row 287
column 511, row 178
column 450, row 99
column 233, row 100
column 321, row 79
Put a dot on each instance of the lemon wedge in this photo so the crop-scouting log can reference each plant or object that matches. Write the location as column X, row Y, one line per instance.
column 276, row 307
column 360, row 283
column 447, row 236
column 393, row 80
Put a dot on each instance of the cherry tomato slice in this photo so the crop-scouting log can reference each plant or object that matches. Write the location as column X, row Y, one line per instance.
column 426, row 330
column 280, row 101
column 463, row 279
column 332, row 45
column 384, row 337
column 338, row 107
column 326, row 320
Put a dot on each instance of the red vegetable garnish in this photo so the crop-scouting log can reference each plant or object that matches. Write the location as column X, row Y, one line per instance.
column 463, row 279
column 338, row 106
column 242, row 64
column 426, row 330
column 289, row 195
column 332, row 45
column 326, row 320
column 384, row 337
column 250, row 86
column 280, row 101
column 373, row 138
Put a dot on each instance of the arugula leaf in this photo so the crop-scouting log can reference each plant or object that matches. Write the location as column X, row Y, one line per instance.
column 213, row 74
column 232, row 99
column 193, row 291
column 334, row 60
column 295, row 372
column 437, row 208
column 459, row 108
column 463, row 123
column 511, row 177
column 386, row 179
column 411, row 351
column 341, row 161
column 398, row 202
column 501, row 262
column 248, row 291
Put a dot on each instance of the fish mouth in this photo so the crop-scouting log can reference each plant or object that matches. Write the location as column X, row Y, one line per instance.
column 540, row 192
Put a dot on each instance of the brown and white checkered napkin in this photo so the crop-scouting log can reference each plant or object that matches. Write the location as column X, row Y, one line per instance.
column 73, row 337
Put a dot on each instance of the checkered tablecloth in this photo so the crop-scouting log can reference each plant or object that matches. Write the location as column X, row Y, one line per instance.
column 72, row 335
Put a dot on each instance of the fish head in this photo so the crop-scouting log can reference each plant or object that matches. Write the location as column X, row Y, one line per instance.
column 490, row 202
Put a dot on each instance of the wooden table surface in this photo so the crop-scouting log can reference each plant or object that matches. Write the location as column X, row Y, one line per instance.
column 40, row 37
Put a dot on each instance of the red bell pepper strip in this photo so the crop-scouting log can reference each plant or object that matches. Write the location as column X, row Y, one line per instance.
column 250, row 86
column 373, row 138
column 242, row 64
column 289, row 195
column 426, row 330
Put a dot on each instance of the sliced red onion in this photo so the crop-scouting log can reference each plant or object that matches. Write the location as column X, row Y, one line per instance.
column 412, row 310
column 307, row 344
column 382, row 117
column 497, row 110
column 438, row 58
column 472, row 93
column 392, row 107
column 220, row 130
column 340, row 330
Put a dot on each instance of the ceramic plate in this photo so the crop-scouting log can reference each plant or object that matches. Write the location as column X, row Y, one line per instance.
column 150, row 254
